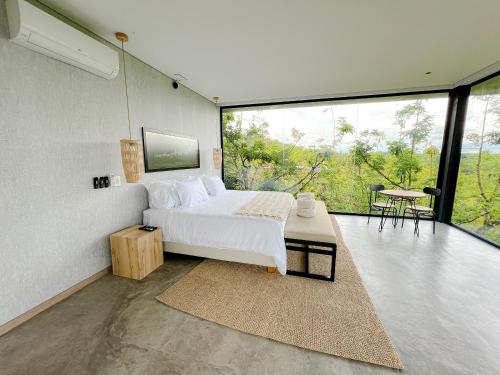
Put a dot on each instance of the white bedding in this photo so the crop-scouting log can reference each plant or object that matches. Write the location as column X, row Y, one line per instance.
column 214, row 223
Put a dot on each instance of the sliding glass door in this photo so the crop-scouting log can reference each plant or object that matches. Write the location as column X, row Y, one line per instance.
column 335, row 149
column 477, row 198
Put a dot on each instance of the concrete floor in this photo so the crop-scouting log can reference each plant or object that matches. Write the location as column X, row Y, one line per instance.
column 436, row 295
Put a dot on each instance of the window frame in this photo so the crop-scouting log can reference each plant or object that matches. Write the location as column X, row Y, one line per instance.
column 456, row 119
column 451, row 148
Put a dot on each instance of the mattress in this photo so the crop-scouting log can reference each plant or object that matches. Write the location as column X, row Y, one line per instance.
column 214, row 224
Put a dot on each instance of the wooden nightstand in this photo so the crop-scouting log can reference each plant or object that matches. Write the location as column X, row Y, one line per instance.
column 136, row 253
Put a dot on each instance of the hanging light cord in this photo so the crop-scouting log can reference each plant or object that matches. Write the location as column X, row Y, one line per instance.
column 126, row 92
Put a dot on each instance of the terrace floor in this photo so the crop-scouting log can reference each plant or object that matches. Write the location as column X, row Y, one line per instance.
column 437, row 296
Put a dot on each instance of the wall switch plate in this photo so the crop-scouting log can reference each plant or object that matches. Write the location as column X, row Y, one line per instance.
column 115, row 180
column 101, row 182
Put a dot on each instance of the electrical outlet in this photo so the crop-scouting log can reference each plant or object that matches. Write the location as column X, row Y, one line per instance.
column 101, row 182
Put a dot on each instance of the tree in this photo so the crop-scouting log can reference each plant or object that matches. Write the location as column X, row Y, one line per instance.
column 415, row 125
column 432, row 152
column 404, row 163
column 362, row 153
column 421, row 124
column 243, row 147
column 480, row 140
column 344, row 128
column 257, row 162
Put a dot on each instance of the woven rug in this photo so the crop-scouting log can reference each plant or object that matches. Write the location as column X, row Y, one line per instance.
column 335, row 318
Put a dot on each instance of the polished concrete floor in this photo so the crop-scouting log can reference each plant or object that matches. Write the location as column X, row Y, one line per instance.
column 438, row 297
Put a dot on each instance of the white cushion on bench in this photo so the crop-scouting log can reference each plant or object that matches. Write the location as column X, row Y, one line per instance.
column 318, row 228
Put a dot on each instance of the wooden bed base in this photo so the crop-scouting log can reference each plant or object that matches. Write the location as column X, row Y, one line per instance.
column 249, row 257
column 230, row 255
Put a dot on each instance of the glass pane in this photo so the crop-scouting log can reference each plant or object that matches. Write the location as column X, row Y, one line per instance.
column 477, row 199
column 335, row 149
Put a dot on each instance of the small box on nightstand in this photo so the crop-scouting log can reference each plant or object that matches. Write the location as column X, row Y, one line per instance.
column 136, row 253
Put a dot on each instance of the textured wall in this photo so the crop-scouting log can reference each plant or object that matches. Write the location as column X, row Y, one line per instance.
column 59, row 127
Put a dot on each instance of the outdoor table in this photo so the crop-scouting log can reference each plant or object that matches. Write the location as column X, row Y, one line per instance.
column 400, row 195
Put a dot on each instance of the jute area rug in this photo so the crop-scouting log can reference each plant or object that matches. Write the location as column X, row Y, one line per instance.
column 335, row 318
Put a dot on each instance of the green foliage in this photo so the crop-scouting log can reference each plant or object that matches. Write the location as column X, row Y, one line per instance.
column 255, row 161
column 343, row 128
column 397, row 148
column 470, row 206
column 431, row 151
column 493, row 137
column 477, row 199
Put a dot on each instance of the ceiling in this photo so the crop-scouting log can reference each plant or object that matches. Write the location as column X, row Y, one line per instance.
column 258, row 51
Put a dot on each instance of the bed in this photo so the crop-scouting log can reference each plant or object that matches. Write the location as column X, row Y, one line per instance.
column 213, row 229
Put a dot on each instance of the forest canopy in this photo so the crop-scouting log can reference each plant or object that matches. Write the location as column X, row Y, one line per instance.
column 339, row 166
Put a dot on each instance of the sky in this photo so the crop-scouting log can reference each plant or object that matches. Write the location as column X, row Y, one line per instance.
column 317, row 121
column 475, row 113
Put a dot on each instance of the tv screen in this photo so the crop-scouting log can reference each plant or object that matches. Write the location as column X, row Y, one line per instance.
column 165, row 152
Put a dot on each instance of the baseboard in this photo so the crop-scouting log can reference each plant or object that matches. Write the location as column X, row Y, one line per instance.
column 11, row 324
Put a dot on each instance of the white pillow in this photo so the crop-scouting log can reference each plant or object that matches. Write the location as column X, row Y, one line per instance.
column 213, row 184
column 162, row 194
column 191, row 192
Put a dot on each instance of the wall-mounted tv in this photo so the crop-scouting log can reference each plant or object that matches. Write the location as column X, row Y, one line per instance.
column 166, row 152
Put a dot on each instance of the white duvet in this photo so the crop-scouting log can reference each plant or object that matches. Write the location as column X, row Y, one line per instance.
column 214, row 224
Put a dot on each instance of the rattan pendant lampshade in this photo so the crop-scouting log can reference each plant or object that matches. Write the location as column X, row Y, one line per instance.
column 131, row 150
column 216, row 151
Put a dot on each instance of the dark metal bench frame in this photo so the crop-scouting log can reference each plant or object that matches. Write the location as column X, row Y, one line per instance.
column 308, row 250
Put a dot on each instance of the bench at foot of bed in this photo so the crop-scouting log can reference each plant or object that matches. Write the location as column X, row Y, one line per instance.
column 311, row 245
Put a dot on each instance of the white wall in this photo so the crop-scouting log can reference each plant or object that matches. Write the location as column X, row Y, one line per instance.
column 59, row 127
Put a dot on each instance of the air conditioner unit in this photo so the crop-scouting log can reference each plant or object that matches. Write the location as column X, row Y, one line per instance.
column 32, row 28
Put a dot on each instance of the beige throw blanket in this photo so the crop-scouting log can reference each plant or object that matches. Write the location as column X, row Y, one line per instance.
column 272, row 204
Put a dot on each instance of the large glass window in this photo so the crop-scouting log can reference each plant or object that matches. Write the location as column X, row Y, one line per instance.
column 477, row 197
column 335, row 149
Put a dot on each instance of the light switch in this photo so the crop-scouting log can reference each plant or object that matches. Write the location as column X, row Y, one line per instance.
column 115, row 180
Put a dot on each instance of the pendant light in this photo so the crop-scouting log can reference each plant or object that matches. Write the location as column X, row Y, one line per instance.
column 131, row 150
column 216, row 151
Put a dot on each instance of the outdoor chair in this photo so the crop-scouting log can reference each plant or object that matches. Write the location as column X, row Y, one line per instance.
column 426, row 211
column 373, row 205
